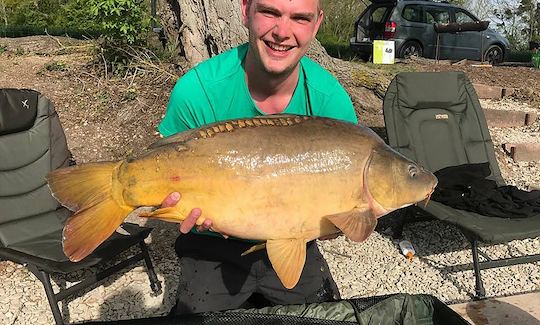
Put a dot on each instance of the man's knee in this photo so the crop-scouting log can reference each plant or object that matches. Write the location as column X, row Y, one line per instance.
column 211, row 286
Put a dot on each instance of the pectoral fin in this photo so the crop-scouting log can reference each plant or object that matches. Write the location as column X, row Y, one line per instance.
column 254, row 248
column 356, row 224
column 287, row 257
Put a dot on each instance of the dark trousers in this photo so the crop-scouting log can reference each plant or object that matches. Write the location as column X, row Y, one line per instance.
column 215, row 277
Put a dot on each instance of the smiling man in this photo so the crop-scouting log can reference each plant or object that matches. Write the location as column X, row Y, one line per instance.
column 268, row 75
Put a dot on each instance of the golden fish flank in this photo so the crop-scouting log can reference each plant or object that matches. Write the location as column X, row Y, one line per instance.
column 283, row 179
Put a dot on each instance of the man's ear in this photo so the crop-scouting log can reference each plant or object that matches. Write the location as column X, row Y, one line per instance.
column 320, row 18
column 245, row 12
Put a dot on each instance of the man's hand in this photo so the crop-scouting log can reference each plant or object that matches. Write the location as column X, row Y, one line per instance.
column 185, row 227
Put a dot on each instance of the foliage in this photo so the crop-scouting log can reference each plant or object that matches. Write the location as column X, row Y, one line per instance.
column 122, row 20
column 520, row 56
column 338, row 26
column 339, row 19
column 77, row 14
column 519, row 20
column 38, row 13
column 336, row 48
column 119, row 20
column 460, row 3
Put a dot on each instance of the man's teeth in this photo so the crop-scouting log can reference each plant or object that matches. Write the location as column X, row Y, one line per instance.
column 277, row 47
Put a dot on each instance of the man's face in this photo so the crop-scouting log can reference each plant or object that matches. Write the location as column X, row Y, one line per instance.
column 280, row 31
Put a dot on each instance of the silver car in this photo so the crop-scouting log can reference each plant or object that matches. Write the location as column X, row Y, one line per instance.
column 411, row 25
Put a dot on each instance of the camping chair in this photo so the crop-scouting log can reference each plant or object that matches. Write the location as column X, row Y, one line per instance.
column 436, row 119
column 32, row 143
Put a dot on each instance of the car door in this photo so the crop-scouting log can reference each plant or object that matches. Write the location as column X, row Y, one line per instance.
column 370, row 25
column 468, row 44
column 447, row 41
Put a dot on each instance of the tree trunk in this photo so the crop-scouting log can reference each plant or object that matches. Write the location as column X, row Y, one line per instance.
column 200, row 29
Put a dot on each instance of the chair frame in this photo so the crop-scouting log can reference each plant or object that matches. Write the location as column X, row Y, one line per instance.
column 410, row 215
column 44, row 277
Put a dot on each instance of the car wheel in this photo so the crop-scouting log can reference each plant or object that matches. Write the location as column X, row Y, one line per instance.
column 409, row 49
column 494, row 55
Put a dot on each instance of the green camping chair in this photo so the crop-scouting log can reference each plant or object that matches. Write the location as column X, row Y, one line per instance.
column 32, row 143
column 436, row 119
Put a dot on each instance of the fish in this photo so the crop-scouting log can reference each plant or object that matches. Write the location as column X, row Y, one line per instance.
column 282, row 180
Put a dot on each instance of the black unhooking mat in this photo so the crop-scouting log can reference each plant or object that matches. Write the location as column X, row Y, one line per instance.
column 467, row 187
column 403, row 309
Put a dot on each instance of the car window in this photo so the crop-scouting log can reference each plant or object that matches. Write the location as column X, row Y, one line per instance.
column 379, row 14
column 437, row 15
column 412, row 13
column 463, row 17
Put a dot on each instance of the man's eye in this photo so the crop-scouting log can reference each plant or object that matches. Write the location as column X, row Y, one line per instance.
column 303, row 20
column 268, row 13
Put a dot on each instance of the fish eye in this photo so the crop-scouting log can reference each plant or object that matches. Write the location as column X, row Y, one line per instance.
column 413, row 170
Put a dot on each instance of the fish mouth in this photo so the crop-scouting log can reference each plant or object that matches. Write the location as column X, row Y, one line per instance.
column 425, row 201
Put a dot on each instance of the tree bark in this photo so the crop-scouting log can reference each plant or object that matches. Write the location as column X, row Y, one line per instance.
column 200, row 29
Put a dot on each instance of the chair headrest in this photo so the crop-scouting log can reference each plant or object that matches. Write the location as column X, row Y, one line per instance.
column 18, row 110
column 419, row 90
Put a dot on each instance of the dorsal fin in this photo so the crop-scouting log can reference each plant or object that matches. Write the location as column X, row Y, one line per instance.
column 209, row 130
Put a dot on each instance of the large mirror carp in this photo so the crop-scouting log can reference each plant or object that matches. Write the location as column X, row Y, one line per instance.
column 280, row 179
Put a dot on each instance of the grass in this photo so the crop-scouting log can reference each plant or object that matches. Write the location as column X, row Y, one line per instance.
column 56, row 66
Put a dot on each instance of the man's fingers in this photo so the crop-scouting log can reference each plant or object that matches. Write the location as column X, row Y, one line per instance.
column 171, row 200
column 207, row 224
column 190, row 221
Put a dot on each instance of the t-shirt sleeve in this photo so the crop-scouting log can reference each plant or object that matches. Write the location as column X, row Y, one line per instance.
column 187, row 106
column 338, row 105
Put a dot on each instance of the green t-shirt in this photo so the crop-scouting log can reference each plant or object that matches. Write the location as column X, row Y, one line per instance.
column 216, row 90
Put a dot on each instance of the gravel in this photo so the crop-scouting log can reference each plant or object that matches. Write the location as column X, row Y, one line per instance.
column 374, row 267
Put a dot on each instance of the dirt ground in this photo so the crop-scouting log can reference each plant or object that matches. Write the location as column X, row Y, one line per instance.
column 104, row 116
column 525, row 79
column 108, row 117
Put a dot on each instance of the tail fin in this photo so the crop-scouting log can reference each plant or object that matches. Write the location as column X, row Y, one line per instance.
column 87, row 190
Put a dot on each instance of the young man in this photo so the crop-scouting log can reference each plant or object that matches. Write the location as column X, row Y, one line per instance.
column 268, row 75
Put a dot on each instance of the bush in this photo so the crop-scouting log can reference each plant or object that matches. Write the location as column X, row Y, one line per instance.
column 335, row 47
column 338, row 26
column 124, row 21
column 339, row 18
column 520, row 56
